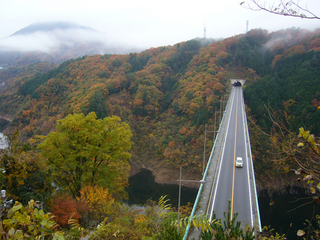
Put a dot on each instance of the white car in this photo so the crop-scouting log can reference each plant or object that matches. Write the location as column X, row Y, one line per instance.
column 239, row 162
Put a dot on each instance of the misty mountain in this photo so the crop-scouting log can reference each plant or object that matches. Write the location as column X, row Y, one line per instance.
column 56, row 42
column 50, row 26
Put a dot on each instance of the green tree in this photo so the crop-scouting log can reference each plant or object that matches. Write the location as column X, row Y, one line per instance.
column 98, row 105
column 86, row 151
column 26, row 175
column 185, row 52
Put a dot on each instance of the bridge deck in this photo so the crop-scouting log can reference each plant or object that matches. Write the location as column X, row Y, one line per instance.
column 212, row 169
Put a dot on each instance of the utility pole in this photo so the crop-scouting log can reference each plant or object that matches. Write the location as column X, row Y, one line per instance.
column 41, row 224
column 220, row 112
column 179, row 199
column 215, row 122
column 180, row 180
column 205, row 144
column 223, row 104
column 204, row 148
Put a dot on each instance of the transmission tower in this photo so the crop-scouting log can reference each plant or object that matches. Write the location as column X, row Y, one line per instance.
column 204, row 32
column 247, row 26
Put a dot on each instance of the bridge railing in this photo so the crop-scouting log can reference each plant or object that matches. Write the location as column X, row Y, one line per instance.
column 205, row 175
column 252, row 169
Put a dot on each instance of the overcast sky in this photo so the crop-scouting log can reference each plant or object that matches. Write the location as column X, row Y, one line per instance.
column 149, row 23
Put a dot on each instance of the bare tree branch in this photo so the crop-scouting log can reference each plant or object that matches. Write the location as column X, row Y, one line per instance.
column 291, row 8
column 286, row 142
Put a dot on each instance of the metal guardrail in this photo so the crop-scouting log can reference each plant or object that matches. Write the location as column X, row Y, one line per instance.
column 204, row 176
column 252, row 169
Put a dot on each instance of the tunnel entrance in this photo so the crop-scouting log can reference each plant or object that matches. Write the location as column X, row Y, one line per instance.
column 4, row 123
column 237, row 84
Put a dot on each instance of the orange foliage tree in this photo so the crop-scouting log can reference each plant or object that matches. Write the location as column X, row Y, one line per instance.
column 65, row 208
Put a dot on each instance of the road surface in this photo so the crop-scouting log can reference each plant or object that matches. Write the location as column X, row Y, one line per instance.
column 233, row 183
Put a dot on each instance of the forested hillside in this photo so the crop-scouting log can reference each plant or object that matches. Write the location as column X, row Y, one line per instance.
column 286, row 94
column 167, row 94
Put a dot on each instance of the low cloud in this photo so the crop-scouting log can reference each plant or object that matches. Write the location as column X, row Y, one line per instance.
column 51, row 41
column 290, row 37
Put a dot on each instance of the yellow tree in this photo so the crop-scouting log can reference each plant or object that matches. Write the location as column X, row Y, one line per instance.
column 98, row 198
column 86, row 151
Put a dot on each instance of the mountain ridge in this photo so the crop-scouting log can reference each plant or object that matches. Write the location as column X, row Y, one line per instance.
column 56, row 42
column 50, row 26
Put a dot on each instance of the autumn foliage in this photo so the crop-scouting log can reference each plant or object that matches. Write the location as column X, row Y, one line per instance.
column 86, row 151
column 165, row 94
column 65, row 208
column 98, row 198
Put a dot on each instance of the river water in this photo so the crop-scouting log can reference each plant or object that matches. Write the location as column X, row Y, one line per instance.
column 142, row 187
column 288, row 212
column 285, row 213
